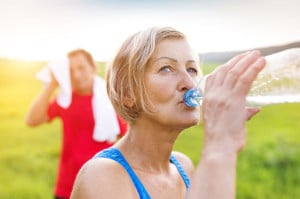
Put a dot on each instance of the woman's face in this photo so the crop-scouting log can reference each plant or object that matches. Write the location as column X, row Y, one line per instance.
column 172, row 70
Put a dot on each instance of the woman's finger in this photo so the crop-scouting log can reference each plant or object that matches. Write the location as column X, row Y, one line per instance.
column 251, row 111
column 245, row 80
column 218, row 75
column 239, row 68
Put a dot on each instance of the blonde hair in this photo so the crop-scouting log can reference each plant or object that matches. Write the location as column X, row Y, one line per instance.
column 125, row 75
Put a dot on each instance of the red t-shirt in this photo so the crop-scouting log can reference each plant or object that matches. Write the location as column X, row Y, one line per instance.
column 78, row 146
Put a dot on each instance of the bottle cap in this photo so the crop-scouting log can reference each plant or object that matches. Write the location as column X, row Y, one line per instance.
column 192, row 97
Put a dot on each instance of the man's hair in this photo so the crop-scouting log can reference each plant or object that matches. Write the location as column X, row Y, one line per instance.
column 83, row 52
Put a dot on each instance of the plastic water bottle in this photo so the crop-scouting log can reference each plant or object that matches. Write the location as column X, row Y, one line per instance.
column 278, row 82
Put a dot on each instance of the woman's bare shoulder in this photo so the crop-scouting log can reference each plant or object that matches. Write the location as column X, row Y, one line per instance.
column 101, row 178
column 97, row 167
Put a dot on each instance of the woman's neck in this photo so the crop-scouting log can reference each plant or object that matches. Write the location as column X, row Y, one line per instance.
column 148, row 147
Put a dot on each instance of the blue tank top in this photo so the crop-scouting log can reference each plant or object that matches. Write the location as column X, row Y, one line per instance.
column 115, row 154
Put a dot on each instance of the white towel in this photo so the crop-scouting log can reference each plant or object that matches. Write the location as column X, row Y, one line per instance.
column 61, row 72
column 106, row 123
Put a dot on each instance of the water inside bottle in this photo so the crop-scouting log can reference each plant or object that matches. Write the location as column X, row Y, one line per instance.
column 277, row 83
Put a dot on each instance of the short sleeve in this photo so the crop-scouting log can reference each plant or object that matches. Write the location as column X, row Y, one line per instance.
column 53, row 110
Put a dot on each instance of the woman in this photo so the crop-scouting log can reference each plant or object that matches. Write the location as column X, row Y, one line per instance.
column 146, row 83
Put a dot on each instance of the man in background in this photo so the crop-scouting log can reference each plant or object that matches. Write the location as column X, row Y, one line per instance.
column 78, row 118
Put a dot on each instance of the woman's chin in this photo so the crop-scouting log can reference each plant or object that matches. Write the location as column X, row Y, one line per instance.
column 191, row 122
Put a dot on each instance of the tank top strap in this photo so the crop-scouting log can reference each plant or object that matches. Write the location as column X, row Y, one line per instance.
column 115, row 154
column 181, row 171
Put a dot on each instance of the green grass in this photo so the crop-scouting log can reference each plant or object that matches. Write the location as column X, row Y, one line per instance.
column 268, row 167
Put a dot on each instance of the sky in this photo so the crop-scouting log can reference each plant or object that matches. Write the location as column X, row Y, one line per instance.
column 48, row 29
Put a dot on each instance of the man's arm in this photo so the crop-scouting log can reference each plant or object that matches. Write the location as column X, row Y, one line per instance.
column 37, row 113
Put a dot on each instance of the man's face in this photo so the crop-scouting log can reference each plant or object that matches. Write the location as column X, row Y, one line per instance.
column 82, row 74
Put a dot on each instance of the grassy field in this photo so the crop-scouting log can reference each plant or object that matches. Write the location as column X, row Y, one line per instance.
column 268, row 167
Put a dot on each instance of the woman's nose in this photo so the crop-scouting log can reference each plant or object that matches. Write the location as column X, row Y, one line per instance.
column 186, row 81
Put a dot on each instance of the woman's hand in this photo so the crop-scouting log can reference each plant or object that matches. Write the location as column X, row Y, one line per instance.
column 224, row 106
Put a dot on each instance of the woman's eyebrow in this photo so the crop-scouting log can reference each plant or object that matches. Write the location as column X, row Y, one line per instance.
column 172, row 59
column 164, row 57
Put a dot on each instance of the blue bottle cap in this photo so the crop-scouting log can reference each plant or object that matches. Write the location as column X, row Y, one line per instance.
column 192, row 97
